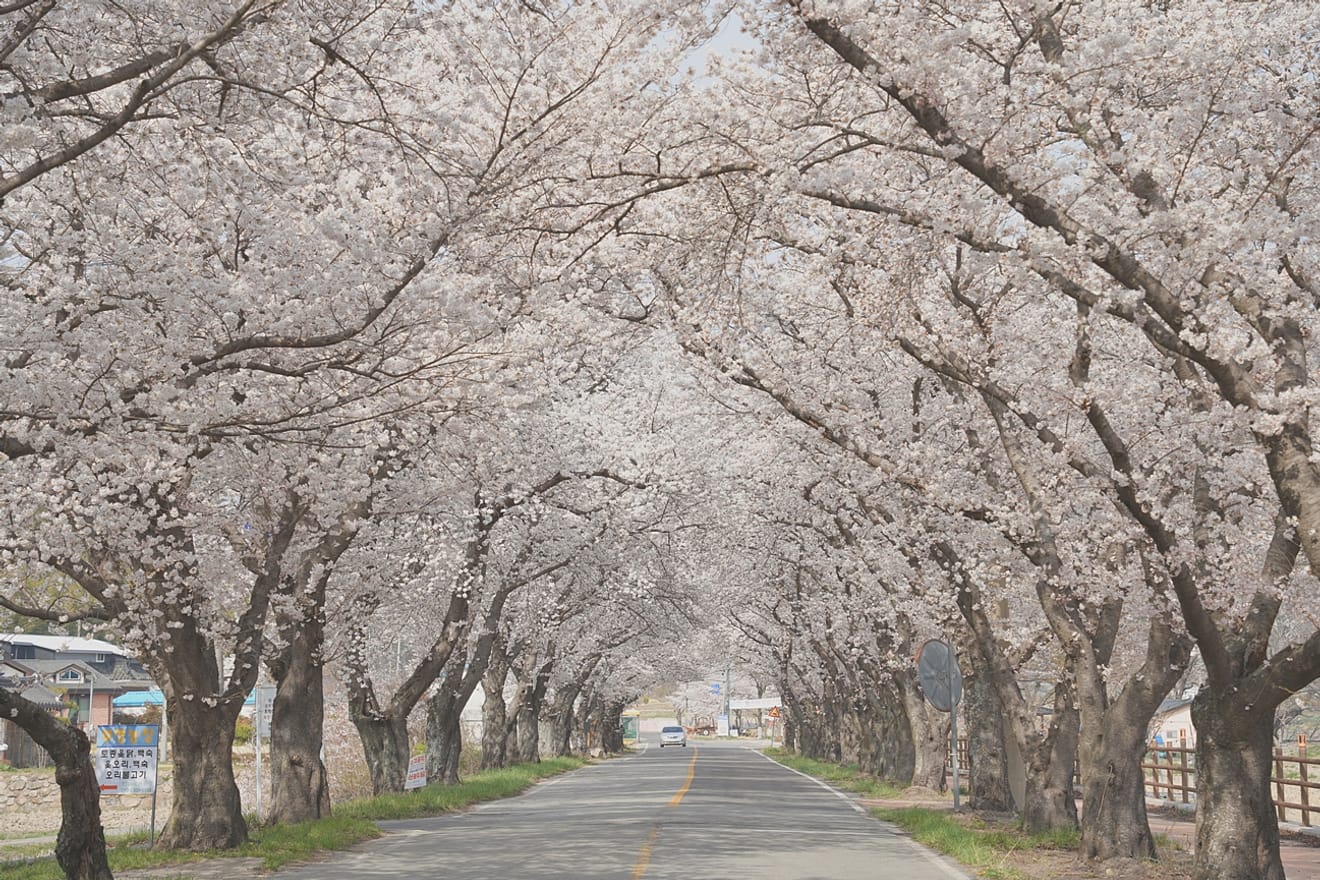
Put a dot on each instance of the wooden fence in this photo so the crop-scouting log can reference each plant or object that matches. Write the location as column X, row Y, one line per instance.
column 23, row 752
column 1170, row 773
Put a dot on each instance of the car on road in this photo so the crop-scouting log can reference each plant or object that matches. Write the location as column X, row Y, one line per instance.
column 672, row 736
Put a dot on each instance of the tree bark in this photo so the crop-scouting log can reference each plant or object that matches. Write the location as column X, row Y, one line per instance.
column 444, row 735
column 1113, row 741
column 207, row 812
column 494, row 720
column 80, row 844
column 561, row 721
column 929, row 734
column 987, row 775
column 385, row 745
column 1051, row 796
column 300, row 790
column 1237, row 831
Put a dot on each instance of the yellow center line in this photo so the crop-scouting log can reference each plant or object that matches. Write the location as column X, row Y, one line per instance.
column 644, row 857
column 692, row 771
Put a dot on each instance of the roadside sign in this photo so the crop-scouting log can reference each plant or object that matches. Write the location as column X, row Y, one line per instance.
column 941, row 680
column 714, row 687
column 265, row 708
column 126, row 758
column 774, row 711
column 416, row 777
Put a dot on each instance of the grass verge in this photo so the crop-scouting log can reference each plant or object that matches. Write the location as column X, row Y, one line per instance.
column 987, row 849
column 352, row 823
column 848, row 777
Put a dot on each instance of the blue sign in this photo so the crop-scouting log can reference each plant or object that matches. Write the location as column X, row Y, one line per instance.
column 714, row 687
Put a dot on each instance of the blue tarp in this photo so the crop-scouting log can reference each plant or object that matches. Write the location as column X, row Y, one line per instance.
column 139, row 698
column 154, row 697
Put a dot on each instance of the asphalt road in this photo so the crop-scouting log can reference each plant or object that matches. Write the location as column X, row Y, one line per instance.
column 711, row 810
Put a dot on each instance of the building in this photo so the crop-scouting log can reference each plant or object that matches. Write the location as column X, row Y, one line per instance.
column 87, row 674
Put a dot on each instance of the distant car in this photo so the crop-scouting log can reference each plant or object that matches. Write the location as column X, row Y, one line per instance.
column 672, row 736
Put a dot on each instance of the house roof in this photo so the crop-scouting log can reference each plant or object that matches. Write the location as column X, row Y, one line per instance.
column 63, row 643
column 1172, row 704
column 47, row 670
column 43, row 697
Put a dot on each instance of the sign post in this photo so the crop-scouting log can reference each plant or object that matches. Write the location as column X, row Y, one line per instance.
column 941, row 681
column 127, row 756
column 265, row 707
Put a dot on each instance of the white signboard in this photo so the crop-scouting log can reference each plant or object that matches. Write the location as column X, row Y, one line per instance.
column 416, row 777
column 762, row 703
column 265, row 708
column 126, row 758
column 721, row 725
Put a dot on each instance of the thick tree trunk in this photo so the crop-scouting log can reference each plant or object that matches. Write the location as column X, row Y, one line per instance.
column 300, row 790
column 1237, row 832
column 444, row 736
column 1113, row 741
column 1114, row 823
column 80, row 844
column 561, row 721
column 494, row 721
column 612, row 724
column 987, row 777
column 529, row 731
column 385, row 744
column 207, row 813
column 1051, row 797
column 928, row 731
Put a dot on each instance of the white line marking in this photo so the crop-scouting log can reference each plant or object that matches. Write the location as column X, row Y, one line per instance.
column 930, row 855
column 831, row 789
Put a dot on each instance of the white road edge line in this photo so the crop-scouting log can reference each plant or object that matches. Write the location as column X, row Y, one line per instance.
column 856, row 807
column 930, row 855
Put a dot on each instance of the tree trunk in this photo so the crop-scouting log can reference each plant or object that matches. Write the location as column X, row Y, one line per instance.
column 1114, row 823
column 561, row 721
column 494, row 724
column 987, row 775
column 444, row 736
column 1051, row 798
column 385, row 744
column 529, row 731
column 612, row 725
column 300, row 790
column 1237, row 831
column 1113, row 741
column 80, row 845
column 207, row 812
column 929, row 732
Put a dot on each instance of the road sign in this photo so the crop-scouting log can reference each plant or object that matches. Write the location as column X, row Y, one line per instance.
column 941, row 680
column 774, row 711
column 416, row 777
column 714, row 687
column 126, row 758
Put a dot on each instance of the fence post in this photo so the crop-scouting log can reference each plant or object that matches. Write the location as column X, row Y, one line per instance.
column 1302, row 753
column 1278, row 785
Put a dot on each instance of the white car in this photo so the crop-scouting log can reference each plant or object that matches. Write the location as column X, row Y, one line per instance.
column 672, row 736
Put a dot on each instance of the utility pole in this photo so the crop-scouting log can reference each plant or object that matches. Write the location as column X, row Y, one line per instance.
column 727, row 669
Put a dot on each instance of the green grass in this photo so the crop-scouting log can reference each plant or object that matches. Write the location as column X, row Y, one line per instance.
column 986, row 849
column 352, row 823
column 847, row 777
